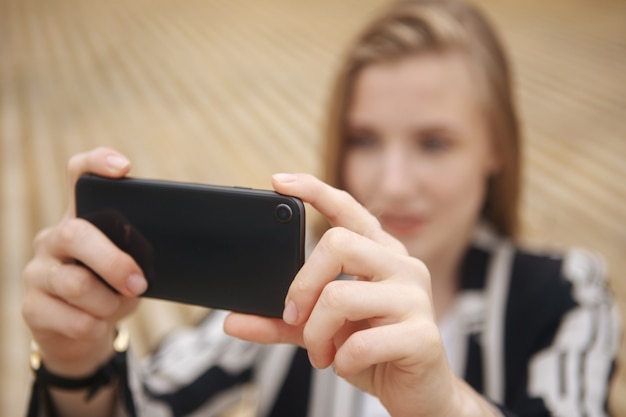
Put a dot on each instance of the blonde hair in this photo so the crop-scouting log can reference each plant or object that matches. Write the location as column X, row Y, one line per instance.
column 432, row 26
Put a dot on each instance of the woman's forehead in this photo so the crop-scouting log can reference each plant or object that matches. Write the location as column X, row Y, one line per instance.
column 425, row 83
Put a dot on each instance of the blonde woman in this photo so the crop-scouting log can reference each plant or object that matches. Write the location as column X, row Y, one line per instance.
column 436, row 312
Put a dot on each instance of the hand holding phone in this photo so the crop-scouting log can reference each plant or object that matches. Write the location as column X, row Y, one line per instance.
column 221, row 247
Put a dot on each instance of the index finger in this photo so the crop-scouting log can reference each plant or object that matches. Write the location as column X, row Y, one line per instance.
column 338, row 206
column 101, row 161
column 78, row 239
column 341, row 251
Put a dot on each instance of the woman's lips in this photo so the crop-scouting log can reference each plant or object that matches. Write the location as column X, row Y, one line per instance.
column 400, row 225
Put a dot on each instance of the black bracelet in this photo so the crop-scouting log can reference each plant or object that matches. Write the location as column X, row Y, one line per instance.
column 102, row 377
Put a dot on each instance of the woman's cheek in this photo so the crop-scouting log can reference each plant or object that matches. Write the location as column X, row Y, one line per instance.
column 358, row 175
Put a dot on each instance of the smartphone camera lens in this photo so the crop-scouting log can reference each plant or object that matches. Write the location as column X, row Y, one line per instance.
column 284, row 213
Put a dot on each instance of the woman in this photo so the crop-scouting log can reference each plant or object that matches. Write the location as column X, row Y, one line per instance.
column 446, row 316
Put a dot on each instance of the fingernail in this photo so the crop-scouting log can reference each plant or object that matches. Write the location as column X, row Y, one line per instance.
column 136, row 284
column 290, row 314
column 117, row 162
column 282, row 177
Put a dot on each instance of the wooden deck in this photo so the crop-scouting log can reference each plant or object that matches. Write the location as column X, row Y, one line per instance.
column 228, row 92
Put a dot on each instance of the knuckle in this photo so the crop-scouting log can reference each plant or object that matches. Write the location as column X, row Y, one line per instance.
column 334, row 294
column 82, row 326
column 355, row 352
column 82, row 162
column 345, row 197
column 41, row 238
column 71, row 231
column 372, row 228
column 342, row 199
column 72, row 287
column 428, row 339
column 301, row 286
column 308, row 337
column 74, row 165
column 420, row 297
column 336, row 239
column 418, row 267
column 358, row 348
column 114, row 307
column 31, row 270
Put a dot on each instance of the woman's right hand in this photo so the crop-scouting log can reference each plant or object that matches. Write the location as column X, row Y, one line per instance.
column 70, row 312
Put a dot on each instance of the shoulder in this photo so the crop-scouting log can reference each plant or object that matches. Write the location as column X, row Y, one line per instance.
column 575, row 277
column 548, row 290
column 575, row 337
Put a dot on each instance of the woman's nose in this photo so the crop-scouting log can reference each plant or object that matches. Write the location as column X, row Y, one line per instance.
column 397, row 174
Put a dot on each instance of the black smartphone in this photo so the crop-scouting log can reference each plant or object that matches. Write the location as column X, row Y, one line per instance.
column 222, row 247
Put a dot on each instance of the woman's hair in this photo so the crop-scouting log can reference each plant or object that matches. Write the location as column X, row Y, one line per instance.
column 413, row 27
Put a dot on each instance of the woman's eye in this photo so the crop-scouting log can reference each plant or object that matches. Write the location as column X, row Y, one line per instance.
column 434, row 143
column 362, row 141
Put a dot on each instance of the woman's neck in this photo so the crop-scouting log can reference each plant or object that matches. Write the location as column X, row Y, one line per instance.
column 445, row 286
column 445, row 279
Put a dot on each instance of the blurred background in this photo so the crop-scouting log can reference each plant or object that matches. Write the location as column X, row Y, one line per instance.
column 229, row 92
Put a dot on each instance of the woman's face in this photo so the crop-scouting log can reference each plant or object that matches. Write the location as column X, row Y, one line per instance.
column 418, row 152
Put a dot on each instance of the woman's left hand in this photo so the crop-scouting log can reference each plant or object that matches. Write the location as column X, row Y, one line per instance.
column 378, row 331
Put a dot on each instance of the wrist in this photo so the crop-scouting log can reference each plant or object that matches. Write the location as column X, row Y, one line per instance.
column 74, row 358
column 469, row 403
column 102, row 375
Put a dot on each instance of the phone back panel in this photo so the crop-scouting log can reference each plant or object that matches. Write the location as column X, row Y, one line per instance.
column 219, row 247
